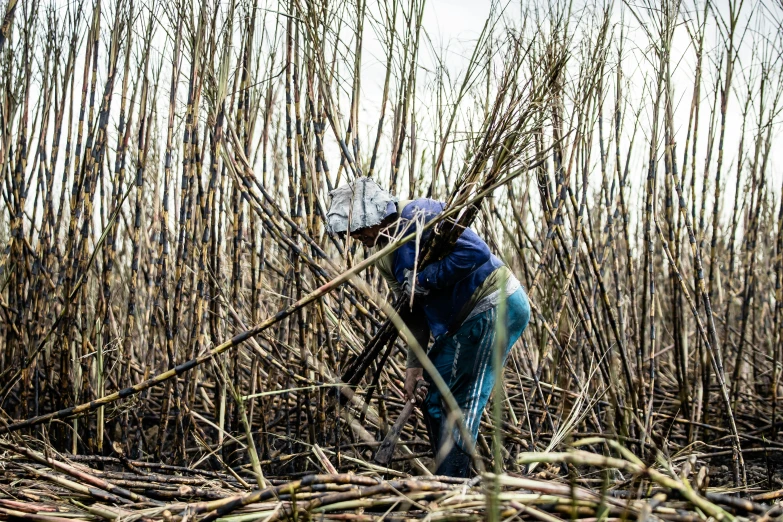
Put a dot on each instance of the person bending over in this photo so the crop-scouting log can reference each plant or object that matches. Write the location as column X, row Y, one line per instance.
column 455, row 300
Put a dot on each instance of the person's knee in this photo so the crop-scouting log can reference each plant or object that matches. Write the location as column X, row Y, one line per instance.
column 524, row 312
column 519, row 311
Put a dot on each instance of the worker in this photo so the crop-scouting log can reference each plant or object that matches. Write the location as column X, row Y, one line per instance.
column 454, row 299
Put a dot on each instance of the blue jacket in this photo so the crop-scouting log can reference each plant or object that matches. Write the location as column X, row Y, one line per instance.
column 450, row 281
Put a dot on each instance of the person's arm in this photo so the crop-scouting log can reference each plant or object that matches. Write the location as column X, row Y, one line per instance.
column 468, row 253
column 414, row 318
column 416, row 322
column 384, row 268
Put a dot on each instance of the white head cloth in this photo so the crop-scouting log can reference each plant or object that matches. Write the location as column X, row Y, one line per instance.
column 362, row 201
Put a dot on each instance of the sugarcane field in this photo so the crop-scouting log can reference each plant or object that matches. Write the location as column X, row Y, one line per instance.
column 391, row 260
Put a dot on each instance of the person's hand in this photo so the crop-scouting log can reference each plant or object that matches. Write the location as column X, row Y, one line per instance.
column 415, row 385
column 409, row 282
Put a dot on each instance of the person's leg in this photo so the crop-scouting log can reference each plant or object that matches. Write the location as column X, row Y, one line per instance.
column 473, row 372
column 451, row 459
column 482, row 375
column 465, row 362
column 442, row 356
column 455, row 360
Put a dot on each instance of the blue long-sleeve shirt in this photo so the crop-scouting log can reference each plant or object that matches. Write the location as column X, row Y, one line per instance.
column 453, row 280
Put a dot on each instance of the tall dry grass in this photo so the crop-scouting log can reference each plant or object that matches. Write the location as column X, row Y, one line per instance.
column 166, row 170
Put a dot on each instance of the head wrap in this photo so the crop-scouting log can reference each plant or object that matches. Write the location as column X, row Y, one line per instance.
column 362, row 201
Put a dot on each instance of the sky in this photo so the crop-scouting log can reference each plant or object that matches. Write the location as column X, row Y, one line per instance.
column 454, row 26
column 451, row 27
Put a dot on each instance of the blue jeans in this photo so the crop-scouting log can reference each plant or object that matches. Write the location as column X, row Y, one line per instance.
column 465, row 361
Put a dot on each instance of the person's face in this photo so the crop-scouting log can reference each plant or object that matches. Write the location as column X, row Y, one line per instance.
column 368, row 235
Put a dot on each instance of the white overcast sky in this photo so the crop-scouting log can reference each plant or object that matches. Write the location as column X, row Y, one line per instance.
column 451, row 28
column 456, row 24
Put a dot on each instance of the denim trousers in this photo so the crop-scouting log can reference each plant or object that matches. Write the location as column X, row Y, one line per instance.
column 466, row 362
